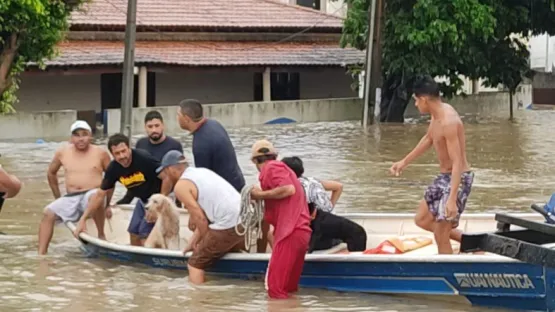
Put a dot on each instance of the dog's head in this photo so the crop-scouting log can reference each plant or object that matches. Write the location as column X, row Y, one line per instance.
column 157, row 204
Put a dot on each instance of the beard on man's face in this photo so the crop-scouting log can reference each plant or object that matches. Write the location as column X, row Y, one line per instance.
column 155, row 136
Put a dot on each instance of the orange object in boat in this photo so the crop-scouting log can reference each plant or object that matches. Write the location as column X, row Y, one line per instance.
column 386, row 248
column 399, row 245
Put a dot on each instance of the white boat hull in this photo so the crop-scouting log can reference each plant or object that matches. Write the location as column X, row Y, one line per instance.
column 488, row 279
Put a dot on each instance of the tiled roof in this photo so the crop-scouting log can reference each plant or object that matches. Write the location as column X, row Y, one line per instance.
column 205, row 14
column 211, row 53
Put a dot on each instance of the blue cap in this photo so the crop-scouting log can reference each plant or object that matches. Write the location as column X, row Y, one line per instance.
column 171, row 158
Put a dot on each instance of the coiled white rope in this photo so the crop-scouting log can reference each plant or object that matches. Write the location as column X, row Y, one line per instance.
column 250, row 217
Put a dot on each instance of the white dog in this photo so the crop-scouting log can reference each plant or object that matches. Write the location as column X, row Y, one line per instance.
column 165, row 233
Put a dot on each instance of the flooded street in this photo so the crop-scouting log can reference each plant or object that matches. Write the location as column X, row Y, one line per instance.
column 513, row 163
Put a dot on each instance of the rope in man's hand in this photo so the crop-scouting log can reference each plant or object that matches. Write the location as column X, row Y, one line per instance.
column 250, row 217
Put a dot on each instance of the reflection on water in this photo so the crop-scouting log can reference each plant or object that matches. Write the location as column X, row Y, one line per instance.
column 513, row 169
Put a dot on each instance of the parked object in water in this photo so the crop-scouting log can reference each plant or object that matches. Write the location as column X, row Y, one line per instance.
column 483, row 280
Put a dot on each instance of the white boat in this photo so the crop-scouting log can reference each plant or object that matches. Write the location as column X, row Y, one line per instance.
column 484, row 279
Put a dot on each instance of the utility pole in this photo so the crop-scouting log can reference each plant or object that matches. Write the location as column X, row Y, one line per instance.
column 376, row 76
column 368, row 65
column 547, row 65
column 128, row 81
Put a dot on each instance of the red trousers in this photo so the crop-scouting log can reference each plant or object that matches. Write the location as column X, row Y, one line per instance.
column 286, row 264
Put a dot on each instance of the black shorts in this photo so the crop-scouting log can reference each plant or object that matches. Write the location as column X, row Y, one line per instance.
column 328, row 229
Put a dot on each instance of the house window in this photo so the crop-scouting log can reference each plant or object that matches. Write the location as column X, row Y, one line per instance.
column 110, row 90
column 284, row 86
column 313, row 4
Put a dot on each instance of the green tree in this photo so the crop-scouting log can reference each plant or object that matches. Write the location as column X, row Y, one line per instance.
column 449, row 39
column 29, row 32
column 507, row 53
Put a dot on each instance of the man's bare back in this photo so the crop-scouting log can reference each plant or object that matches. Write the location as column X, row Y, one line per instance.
column 448, row 127
column 83, row 170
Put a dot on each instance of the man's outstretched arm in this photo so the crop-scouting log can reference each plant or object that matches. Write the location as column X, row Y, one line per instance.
column 422, row 146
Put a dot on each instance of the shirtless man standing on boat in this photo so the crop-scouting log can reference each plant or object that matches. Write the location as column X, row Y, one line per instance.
column 84, row 165
column 445, row 199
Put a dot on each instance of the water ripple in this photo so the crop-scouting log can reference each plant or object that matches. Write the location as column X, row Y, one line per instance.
column 513, row 169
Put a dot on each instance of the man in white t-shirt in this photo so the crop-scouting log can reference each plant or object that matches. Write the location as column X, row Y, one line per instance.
column 326, row 227
column 214, row 206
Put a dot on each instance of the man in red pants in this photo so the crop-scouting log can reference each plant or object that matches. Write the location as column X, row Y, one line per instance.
column 285, row 209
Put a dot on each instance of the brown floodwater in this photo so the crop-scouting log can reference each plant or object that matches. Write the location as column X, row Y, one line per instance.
column 513, row 163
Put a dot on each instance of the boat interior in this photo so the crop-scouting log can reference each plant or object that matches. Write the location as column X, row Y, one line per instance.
column 398, row 230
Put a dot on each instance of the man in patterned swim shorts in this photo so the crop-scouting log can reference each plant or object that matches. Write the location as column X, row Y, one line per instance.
column 445, row 199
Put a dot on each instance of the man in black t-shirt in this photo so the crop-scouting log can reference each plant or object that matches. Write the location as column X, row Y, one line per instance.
column 156, row 143
column 136, row 170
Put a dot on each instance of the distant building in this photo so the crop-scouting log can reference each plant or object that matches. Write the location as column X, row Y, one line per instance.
column 542, row 53
column 217, row 51
column 335, row 7
column 542, row 61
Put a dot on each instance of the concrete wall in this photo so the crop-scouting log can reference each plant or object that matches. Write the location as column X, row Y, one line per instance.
column 543, row 80
column 37, row 124
column 207, row 86
column 543, row 88
column 41, row 92
column 253, row 113
column 49, row 91
column 486, row 104
column 326, row 83
column 217, row 86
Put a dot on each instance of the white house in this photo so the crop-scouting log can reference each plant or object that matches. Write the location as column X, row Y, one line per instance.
column 217, row 51
column 542, row 53
column 334, row 7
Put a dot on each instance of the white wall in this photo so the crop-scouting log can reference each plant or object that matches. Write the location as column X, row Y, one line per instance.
column 325, row 83
column 487, row 104
column 37, row 124
column 338, row 8
column 45, row 91
column 237, row 85
column 335, row 7
column 253, row 113
column 538, row 49
column 207, row 86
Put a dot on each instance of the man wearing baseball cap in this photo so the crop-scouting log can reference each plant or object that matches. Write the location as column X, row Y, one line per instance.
column 84, row 164
column 286, row 210
column 214, row 206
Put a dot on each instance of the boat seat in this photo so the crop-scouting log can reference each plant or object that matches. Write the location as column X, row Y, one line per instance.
column 431, row 250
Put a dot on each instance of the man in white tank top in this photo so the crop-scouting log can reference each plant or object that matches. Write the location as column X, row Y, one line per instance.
column 214, row 207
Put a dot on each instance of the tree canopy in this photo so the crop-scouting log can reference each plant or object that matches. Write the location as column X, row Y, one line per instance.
column 473, row 38
column 29, row 32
